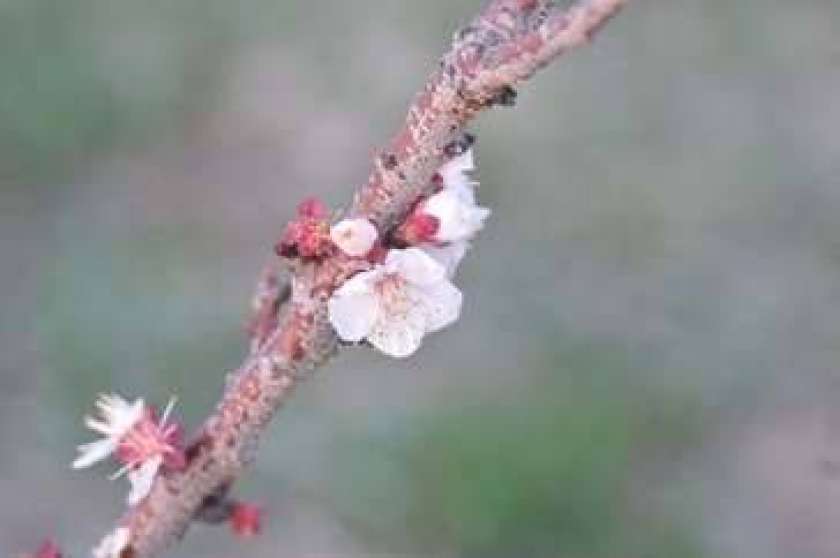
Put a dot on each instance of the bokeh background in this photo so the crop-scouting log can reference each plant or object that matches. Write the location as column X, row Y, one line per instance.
column 647, row 364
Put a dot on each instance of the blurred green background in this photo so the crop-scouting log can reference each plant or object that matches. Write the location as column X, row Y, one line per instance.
column 647, row 362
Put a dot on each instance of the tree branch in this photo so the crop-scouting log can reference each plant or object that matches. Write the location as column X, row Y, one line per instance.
column 504, row 45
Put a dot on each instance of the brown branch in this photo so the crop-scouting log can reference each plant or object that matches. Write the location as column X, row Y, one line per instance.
column 504, row 45
column 272, row 291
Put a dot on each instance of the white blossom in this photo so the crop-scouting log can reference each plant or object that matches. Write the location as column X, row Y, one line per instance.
column 459, row 217
column 395, row 304
column 137, row 438
column 457, row 212
column 113, row 544
column 355, row 237
column 117, row 417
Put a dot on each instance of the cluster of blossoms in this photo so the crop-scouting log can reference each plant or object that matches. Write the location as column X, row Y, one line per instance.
column 403, row 292
column 408, row 291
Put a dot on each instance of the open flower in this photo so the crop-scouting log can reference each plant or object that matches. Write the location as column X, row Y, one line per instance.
column 354, row 237
column 137, row 438
column 395, row 304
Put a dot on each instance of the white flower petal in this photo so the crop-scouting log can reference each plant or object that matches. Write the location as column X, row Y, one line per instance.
column 355, row 237
column 134, row 412
column 352, row 308
column 361, row 283
column 167, row 410
column 352, row 314
column 117, row 415
column 399, row 335
column 465, row 192
column 458, row 219
column 475, row 219
column 442, row 305
column 94, row 452
column 415, row 266
column 104, row 428
column 448, row 255
column 142, row 478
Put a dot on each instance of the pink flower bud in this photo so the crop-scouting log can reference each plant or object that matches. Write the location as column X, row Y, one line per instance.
column 246, row 519
column 308, row 235
column 419, row 228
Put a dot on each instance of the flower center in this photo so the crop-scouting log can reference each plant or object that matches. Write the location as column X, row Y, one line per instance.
column 147, row 440
column 391, row 291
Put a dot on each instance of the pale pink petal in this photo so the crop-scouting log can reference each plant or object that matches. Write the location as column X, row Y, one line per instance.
column 457, row 218
column 360, row 283
column 442, row 304
column 102, row 427
column 465, row 192
column 352, row 311
column 399, row 335
column 117, row 415
column 415, row 266
column 94, row 452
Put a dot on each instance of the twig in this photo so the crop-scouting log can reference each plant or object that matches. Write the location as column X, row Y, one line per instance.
column 504, row 45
